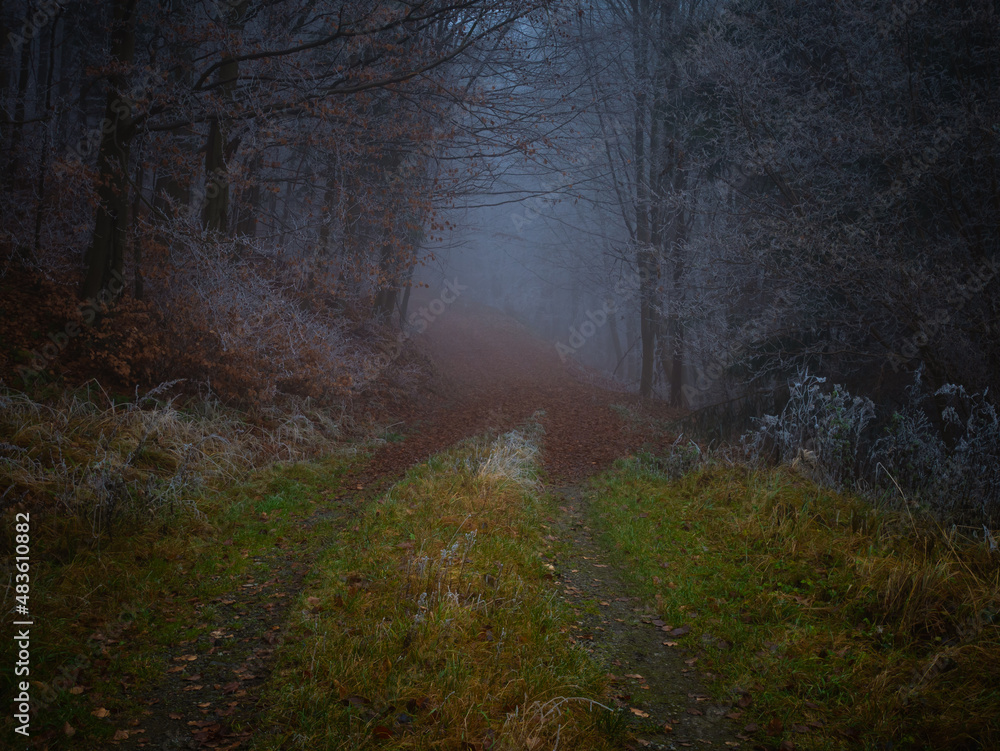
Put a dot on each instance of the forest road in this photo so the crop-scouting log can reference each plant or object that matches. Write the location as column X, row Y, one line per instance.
column 492, row 374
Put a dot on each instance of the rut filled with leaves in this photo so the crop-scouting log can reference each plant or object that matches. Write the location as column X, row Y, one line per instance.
column 653, row 665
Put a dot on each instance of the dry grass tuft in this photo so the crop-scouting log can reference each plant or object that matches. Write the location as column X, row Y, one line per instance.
column 91, row 460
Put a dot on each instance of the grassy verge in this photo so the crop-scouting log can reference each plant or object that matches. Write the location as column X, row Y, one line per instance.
column 109, row 622
column 829, row 625
column 434, row 624
column 144, row 521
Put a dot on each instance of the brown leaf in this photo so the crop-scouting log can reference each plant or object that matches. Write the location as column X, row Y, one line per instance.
column 121, row 735
column 638, row 712
column 69, row 730
column 100, row 713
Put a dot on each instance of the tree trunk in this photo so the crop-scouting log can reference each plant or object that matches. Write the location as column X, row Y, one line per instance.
column 43, row 161
column 645, row 260
column 105, row 257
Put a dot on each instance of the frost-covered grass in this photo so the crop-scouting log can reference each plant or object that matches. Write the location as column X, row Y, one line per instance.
column 88, row 459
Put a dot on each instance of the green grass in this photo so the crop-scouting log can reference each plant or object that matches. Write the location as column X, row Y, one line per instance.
column 829, row 624
column 106, row 617
column 435, row 624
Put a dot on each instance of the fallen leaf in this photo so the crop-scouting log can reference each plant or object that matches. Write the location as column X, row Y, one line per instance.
column 638, row 712
column 121, row 735
column 69, row 730
column 76, row 690
column 100, row 713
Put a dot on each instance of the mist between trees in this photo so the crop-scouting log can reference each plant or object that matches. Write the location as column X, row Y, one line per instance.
column 700, row 199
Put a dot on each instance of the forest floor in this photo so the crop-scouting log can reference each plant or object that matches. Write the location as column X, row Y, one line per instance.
column 236, row 608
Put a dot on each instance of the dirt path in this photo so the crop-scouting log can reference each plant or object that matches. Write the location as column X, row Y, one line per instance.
column 490, row 375
column 493, row 375
column 654, row 663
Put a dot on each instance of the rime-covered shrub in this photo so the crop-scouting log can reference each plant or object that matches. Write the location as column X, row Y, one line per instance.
column 951, row 466
column 955, row 467
column 830, row 424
